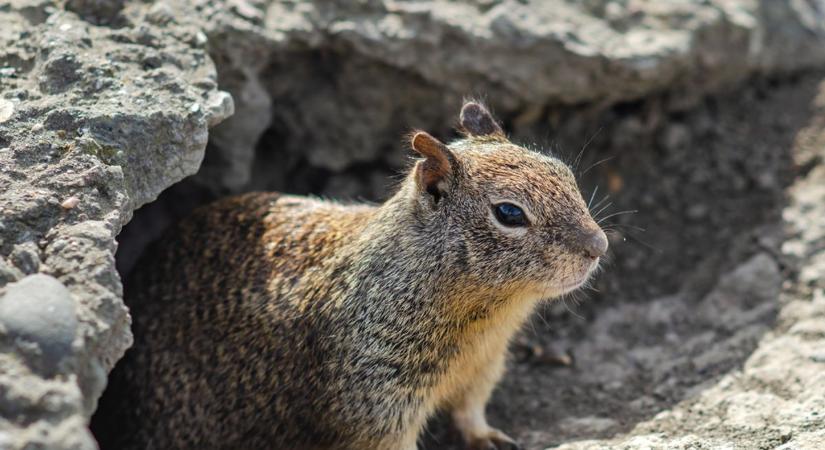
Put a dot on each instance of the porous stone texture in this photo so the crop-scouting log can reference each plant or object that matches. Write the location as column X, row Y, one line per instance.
column 334, row 84
column 705, row 333
column 94, row 122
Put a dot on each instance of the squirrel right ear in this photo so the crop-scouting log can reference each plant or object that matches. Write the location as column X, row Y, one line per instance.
column 434, row 172
column 475, row 120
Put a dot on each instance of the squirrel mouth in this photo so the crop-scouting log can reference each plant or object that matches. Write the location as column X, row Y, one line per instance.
column 573, row 285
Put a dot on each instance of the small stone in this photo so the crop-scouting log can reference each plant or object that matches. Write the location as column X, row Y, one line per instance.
column 26, row 257
column 675, row 137
column 697, row 211
column 61, row 71
column 588, row 425
column 614, row 11
column 6, row 110
column 104, row 11
column 219, row 107
column 40, row 310
column 70, row 202
column 160, row 14
column 245, row 10
column 201, row 39
column 8, row 273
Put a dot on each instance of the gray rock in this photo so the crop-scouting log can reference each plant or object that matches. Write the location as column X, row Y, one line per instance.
column 95, row 106
column 40, row 310
column 104, row 11
column 344, row 80
column 25, row 257
column 8, row 273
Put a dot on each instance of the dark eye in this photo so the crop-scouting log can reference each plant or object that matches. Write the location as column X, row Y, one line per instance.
column 510, row 215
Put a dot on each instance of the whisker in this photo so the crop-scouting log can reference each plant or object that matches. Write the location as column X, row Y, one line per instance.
column 606, row 197
column 596, row 164
column 610, row 227
column 620, row 213
column 540, row 315
column 581, row 152
column 573, row 313
column 636, row 238
column 592, row 196
column 593, row 288
column 608, row 205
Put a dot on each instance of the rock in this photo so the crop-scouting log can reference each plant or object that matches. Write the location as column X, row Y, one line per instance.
column 101, row 114
column 675, row 137
column 40, row 310
column 523, row 56
column 6, row 109
column 8, row 273
column 756, row 282
column 25, row 257
column 103, row 11
column 588, row 425
column 812, row 439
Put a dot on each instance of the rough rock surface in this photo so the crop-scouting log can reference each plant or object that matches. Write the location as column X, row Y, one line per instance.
column 333, row 84
column 689, row 343
column 94, row 122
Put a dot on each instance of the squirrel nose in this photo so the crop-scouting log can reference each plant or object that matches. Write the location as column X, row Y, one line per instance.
column 595, row 244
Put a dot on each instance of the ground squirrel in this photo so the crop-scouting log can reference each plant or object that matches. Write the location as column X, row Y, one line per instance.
column 285, row 322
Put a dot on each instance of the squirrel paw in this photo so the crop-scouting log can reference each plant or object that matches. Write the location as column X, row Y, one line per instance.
column 494, row 440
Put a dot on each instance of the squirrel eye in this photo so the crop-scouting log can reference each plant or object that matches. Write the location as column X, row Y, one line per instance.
column 510, row 215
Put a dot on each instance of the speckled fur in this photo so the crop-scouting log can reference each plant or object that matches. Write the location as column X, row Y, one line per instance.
column 273, row 321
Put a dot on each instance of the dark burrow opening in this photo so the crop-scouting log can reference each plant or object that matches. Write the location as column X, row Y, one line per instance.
column 693, row 274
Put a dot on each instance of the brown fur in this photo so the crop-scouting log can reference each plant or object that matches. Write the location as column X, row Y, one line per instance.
column 273, row 321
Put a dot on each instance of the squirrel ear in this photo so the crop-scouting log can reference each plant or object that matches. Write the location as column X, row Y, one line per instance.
column 433, row 173
column 477, row 121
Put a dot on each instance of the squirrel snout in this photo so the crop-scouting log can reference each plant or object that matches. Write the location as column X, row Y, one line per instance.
column 594, row 243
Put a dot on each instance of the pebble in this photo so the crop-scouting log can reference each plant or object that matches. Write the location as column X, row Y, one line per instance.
column 6, row 110
column 26, row 257
column 70, row 203
column 39, row 309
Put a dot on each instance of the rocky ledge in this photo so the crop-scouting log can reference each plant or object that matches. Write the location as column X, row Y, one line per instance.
column 95, row 120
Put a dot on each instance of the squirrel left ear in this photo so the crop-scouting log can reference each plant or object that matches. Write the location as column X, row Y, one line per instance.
column 433, row 174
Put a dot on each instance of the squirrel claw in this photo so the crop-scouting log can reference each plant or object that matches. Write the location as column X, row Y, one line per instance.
column 496, row 440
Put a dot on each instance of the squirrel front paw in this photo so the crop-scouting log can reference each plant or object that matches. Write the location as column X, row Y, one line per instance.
column 493, row 440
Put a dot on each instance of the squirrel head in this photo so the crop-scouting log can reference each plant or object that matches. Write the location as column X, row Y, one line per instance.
column 513, row 219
